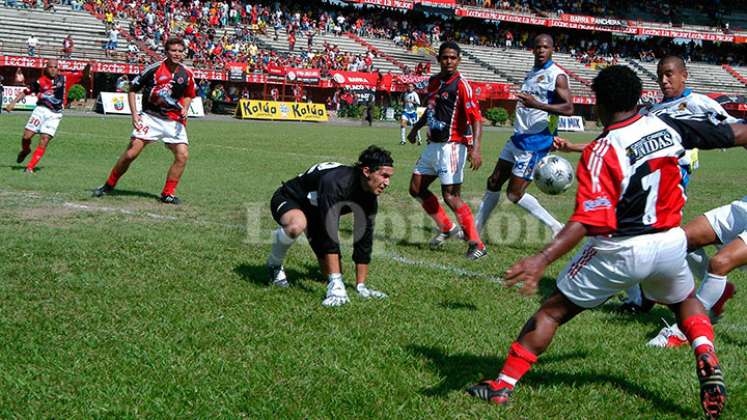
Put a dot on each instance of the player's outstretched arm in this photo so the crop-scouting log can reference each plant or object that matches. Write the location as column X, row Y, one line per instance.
column 12, row 104
column 562, row 145
column 529, row 270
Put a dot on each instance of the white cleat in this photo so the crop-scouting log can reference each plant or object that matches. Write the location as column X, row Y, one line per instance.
column 336, row 294
column 442, row 237
column 367, row 293
column 669, row 337
column 277, row 276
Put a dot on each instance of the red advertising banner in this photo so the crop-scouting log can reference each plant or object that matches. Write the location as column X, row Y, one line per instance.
column 274, row 69
column 354, row 79
column 586, row 27
column 303, row 75
column 209, row 74
column 438, row 3
column 705, row 36
column 591, row 20
column 256, row 78
column 115, row 68
column 397, row 4
column 490, row 90
column 493, row 15
column 740, row 39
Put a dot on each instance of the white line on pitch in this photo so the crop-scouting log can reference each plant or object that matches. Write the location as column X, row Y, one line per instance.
column 441, row 267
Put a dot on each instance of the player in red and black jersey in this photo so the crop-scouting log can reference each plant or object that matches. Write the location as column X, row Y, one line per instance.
column 629, row 202
column 454, row 131
column 50, row 90
column 168, row 88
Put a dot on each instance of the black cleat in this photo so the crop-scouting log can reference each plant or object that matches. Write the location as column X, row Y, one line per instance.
column 712, row 387
column 103, row 190
column 489, row 391
column 170, row 199
column 22, row 155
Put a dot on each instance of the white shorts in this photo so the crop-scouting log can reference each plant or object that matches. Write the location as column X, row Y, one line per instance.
column 729, row 221
column 606, row 266
column 445, row 160
column 155, row 129
column 524, row 161
column 44, row 121
column 410, row 117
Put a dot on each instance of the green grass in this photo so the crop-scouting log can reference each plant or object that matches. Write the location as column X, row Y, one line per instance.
column 122, row 307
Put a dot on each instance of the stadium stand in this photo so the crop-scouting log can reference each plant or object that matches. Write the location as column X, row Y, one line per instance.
column 89, row 35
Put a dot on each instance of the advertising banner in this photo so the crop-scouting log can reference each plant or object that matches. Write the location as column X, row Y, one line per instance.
column 572, row 123
column 10, row 92
column 236, row 72
column 295, row 75
column 116, row 103
column 284, row 111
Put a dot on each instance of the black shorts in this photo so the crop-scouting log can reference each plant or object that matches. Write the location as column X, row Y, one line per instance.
column 282, row 203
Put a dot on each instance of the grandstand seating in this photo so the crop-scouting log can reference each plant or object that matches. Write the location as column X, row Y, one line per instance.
column 705, row 78
column 89, row 34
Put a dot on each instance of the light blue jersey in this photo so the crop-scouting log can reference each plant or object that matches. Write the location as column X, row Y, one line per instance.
column 534, row 129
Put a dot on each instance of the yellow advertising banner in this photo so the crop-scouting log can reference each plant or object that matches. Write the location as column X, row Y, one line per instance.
column 288, row 111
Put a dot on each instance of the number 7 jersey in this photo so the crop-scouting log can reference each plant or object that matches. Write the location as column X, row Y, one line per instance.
column 629, row 180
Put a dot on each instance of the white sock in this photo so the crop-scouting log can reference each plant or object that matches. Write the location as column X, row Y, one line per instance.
column 402, row 133
column 488, row 203
column 634, row 295
column 530, row 204
column 711, row 289
column 281, row 242
column 418, row 134
column 698, row 263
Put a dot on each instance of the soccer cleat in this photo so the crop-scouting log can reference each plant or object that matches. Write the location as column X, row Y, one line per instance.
column 336, row 294
column 22, row 155
column 669, row 337
column 474, row 251
column 402, row 142
column 170, row 199
column 29, row 171
column 102, row 190
column 718, row 309
column 441, row 237
column 712, row 387
column 277, row 276
column 489, row 391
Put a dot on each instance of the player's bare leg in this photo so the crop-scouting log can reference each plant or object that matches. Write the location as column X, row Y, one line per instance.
column 492, row 196
column 293, row 224
column 533, row 340
column 453, row 197
column 38, row 153
column 419, row 190
column 694, row 322
column 25, row 145
column 181, row 155
column 700, row 233
column 134, row 149
column 517, row 194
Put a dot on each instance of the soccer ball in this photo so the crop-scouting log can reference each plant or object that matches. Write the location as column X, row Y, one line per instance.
column 553, row 174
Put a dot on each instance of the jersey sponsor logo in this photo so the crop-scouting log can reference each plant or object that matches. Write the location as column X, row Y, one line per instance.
column 600, row 203
column 649, row 145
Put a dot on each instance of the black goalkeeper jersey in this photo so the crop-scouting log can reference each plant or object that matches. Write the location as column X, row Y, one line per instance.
column 335, row 189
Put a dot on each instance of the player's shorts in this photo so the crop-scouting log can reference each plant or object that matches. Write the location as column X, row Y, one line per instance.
column 445, row 160
column 282, row 203
column 729, row 221
column 606, row 266
column 524, row 161
column 410, row 117
column 160, row 129
column 44, row 121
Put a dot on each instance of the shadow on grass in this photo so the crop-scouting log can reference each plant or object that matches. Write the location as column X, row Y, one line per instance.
column 651, row 318
column 130, row 193
column 458, row 305
column 461, row 370
column 20, row 168
column 258, row 275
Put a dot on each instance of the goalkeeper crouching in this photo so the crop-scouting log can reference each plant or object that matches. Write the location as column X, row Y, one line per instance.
column 313, row 202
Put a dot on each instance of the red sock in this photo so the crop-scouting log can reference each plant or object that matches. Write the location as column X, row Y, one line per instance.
column 170, row 186
column 38, row 153
column 464, row 215
column 433, row 208
column 518, row 362
column 113, row 178
column 699, row 333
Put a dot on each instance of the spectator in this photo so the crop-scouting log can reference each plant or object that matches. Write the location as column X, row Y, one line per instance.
column 67, row 46
column 19, row 79
column 31, row 43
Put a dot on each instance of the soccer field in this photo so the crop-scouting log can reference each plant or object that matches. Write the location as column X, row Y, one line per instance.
column 124, row 307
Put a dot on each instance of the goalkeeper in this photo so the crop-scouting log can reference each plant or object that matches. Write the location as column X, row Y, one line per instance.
column 313, row 202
